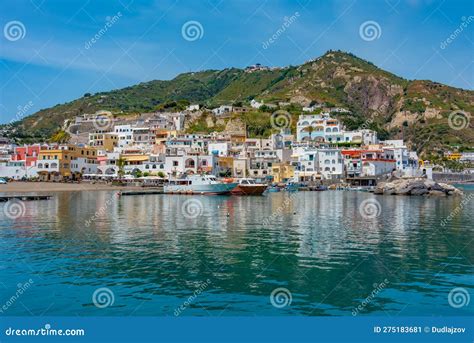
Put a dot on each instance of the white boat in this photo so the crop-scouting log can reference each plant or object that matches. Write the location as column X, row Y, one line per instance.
column 198, row 184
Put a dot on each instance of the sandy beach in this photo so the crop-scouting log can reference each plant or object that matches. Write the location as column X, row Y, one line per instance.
column 48, row 187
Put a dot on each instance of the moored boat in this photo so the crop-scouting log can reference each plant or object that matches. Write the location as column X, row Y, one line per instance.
column 198, row 184
column 273, row 189
column 318, row 188
column 292, row 187
column 248, row 186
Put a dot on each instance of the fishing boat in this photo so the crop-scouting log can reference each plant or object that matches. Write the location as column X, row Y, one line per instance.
column 318, row 188
column 273, row 188
column 248, row 186
column 198, row 184
column 292, row 187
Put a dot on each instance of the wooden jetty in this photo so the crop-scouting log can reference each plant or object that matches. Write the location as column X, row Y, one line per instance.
column 25, row 197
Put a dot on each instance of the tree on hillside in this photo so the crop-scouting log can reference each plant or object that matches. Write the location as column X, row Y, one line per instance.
column 60, row 137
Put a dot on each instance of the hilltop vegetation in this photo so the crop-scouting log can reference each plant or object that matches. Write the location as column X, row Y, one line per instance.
column 397, row 108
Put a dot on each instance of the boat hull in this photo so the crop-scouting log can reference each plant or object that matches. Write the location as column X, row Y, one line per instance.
column 221, row 188
column 273, row 189
column 249, row 189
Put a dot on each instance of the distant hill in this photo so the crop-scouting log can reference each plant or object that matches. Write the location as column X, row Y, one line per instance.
column 397, row 108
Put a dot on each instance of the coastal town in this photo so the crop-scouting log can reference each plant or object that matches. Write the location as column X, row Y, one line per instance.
column 151, row 147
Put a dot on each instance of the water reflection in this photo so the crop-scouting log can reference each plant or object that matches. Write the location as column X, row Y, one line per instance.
column 318, row 246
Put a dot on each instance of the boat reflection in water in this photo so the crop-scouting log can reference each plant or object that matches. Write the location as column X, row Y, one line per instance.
column 198, row 184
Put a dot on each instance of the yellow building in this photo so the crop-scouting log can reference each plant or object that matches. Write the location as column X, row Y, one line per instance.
column 96, row 139
column 54, row 163
column 162, row 135
column 110, row 141
column 82, row 152
column 282, row 172
column 455, row 156
column 134, row 159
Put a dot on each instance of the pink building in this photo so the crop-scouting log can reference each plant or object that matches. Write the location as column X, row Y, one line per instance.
column 27, row 153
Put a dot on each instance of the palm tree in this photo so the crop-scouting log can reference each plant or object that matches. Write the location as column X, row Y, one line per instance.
column 121, row 164
column 310, row 130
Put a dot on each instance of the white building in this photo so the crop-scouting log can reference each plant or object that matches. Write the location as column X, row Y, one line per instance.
column 467, row 157
column 320, row 163
column 178, row 121
column 406, row 161
column 220, row 149
column 84, row 165
column 192, row 108
column 255, row 104
column 194, row 164
column 317, row 127
column 142, row 136
column 221, row 110
column 330, row 163
column 17, row 170
column 323, row 128
column 311, row 108
column 125, row 135
column 47, row 166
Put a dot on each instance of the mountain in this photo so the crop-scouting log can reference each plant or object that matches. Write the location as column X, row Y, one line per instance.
column 416, row 110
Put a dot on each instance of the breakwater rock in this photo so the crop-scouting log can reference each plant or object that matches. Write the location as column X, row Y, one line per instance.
column 416, row 186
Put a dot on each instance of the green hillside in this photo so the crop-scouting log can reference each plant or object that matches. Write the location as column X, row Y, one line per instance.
column 397, row 108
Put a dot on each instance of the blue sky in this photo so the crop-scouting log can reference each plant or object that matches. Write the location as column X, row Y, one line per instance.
column 48, row 60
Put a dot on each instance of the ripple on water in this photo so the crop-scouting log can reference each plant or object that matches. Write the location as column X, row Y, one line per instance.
column 153, row 257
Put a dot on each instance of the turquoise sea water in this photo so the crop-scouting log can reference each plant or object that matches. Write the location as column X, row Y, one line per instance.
column 169, row 255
